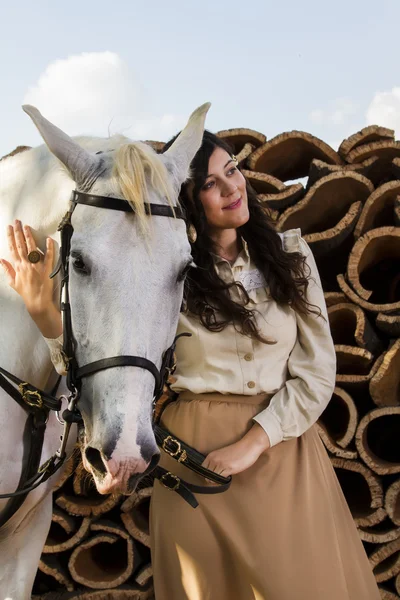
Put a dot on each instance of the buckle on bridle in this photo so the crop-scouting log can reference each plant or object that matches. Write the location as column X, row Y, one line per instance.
column 171, row 488
column 26, row 394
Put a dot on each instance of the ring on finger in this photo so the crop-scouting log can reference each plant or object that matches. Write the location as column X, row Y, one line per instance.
column 34, row 256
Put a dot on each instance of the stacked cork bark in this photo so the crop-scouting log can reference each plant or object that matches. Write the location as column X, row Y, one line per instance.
column 349, row 213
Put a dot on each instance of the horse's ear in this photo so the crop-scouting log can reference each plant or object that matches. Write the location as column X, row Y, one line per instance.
column 81, row 164
column 183, row 150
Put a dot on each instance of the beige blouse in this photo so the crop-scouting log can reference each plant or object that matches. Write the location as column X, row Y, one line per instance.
column 299, row 369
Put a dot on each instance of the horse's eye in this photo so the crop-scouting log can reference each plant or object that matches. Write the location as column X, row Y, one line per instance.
column 182, row 275
column 79, row 265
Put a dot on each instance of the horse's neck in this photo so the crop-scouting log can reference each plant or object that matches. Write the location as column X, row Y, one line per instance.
column 35, row 189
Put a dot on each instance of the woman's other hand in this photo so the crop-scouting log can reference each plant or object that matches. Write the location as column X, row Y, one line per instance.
column 31, row 280
column 239, row 456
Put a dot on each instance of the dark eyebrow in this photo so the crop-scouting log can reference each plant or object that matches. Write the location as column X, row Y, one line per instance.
column 230, row 160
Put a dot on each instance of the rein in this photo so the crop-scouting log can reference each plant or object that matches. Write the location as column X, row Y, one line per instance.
column 38, row 403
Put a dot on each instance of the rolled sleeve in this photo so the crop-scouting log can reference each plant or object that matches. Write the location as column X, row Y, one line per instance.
column 55, row 346
column 312, row 368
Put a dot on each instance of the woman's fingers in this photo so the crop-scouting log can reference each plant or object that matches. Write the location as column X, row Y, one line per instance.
column 48, row 259
column 30, row 242
column 20, row 241
column 12, row 246
column 9, row 271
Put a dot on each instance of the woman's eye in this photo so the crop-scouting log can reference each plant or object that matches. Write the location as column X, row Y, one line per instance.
column 79, row 265
column 182, row 275
column 208, row 185
column 231, row 171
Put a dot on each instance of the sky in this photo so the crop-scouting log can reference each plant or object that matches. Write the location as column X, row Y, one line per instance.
column 141, row 67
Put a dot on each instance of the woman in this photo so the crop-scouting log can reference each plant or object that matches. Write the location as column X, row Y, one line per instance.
column 253, row 378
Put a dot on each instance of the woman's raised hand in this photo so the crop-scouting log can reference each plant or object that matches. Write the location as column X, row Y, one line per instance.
column 31, row 280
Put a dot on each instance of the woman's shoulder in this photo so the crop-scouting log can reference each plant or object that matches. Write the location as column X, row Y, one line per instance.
column 293, row 242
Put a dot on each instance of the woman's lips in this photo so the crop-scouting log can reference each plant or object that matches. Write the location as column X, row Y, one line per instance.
column 234, row 205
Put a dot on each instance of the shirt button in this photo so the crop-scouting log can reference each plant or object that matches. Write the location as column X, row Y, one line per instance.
column 251, row 384
column 248, row 356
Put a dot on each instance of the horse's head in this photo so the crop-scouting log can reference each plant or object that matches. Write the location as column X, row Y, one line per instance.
column 126, row 273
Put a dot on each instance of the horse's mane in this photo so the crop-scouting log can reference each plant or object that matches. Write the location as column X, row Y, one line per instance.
column 135, row 166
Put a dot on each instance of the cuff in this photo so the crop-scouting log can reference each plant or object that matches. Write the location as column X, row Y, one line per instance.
column 271, row 425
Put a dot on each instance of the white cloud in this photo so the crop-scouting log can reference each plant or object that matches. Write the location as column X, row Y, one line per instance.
column 96, row 93
column 337, row 114
column 384, row 109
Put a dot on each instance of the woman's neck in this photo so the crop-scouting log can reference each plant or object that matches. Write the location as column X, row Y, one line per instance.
column 227, row 243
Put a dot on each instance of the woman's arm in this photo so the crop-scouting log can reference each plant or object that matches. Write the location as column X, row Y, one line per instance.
column 32, row 282
column 312, row 368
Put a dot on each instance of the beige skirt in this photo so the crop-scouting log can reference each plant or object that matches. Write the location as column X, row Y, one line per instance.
column 283, row 531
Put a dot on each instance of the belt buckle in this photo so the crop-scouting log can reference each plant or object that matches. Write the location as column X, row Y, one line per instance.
column 26, row 394
column 173, row 453
column 174, row 487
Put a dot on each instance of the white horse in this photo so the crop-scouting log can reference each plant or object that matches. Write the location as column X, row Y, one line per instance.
column 125, row 302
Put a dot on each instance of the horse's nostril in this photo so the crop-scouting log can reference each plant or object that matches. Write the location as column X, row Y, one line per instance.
column 93, row 456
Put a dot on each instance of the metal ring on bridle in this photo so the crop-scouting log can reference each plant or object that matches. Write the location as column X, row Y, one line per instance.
column 34, row 256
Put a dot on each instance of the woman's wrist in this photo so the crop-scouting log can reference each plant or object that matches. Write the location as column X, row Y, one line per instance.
column 257, row 438
column 49, row 322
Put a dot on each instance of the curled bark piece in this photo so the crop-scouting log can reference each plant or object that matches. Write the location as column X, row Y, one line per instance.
column 50, row 565
column 273, row 214
column 385, row 561
column 392, row 502
column 384, row 386
column 244, row 153
column 326, row 242
column 383, row 169
column 157, row 146
column 352, row 360
column 238, row 137
column 385, row 150
column 377, row 440
column 327, row 202
column 363, row 491
column 263, row 183
column 319, row 169
column 331, row 445
column 370, row 306
column 104, row 561
column 56, row 542
column 373, row 270
column 380, row 534
column 396, row 210
column 127, row 591
column 68, row 468
column 387, row 594
column 288, row 155
column 397, row 583
column 283, row 199
column 144, row 574
column 349, row 324
column 372, row 133
column 93, row 505
column 389, row 324
column 135, row 515
column 333, row 298
column 340, row 418
column 378, row 211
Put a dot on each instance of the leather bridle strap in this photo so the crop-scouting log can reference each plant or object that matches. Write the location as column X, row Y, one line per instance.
column 120, row 361
column 158, row 210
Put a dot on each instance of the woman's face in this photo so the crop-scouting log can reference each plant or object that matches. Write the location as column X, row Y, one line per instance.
column 223, row 195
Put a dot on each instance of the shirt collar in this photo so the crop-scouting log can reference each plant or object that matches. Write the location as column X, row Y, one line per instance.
column 242, row 259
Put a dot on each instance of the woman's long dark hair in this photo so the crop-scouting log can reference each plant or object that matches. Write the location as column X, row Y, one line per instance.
column 205, row 294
